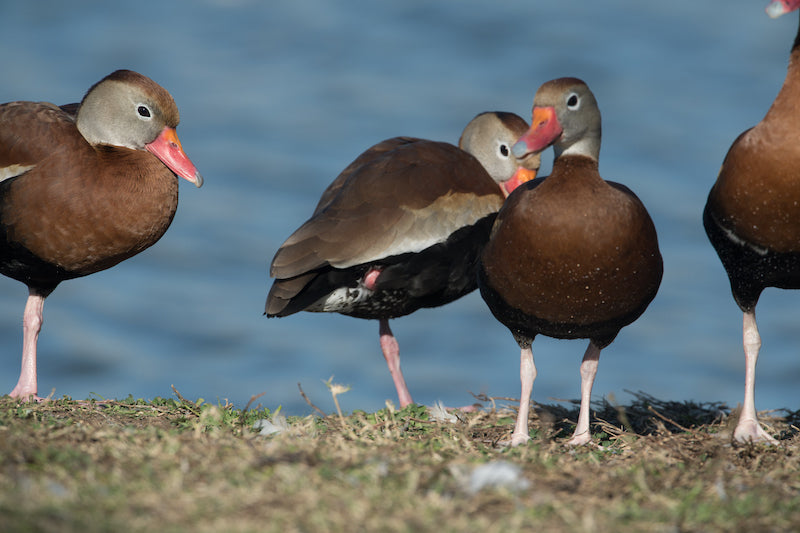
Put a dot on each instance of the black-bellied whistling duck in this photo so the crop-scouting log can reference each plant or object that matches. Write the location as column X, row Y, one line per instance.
column 570, row 255
column 752, row 217
column 400, row 229
column 83, row 188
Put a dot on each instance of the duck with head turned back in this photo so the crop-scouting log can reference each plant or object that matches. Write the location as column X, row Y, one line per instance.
column 752, row 217
column 84, row 187
column 400, row 229
column 570, row 255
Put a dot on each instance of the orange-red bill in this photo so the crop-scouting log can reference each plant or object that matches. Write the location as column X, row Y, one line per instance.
column 520, row 176
column 168, row 149
column 544, row 131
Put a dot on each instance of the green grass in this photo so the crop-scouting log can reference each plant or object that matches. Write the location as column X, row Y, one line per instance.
column 180, row 465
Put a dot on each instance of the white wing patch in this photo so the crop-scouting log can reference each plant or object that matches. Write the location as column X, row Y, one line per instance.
column 12, row 171
column 342, row 300
column 422, row 228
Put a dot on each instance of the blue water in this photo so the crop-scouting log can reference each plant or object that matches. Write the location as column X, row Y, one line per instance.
column 277, row 97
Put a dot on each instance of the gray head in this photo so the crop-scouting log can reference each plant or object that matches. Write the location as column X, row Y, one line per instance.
column 126, row 109
column 489, row 138
column 565, row 116
column 132, row 111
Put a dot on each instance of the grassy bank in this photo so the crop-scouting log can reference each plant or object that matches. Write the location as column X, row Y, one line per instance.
column 180, row 465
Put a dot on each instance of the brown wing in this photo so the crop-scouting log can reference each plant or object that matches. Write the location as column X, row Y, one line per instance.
column 405, row 195
column 374, row 153
column 30, row 132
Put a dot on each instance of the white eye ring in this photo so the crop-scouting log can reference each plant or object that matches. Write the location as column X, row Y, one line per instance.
column 573, row 101
column 503, row 150
column 144, row 112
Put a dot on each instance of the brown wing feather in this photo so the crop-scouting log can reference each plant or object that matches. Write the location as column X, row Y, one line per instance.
column 45, row 123
column 372, row 154
column 406, row 195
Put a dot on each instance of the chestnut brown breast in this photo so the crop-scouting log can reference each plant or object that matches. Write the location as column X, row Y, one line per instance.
column 78, row 208
column 757, row 194
column 573, row 249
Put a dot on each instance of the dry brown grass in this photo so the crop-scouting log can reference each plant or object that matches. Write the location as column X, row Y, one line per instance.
column 176, row 465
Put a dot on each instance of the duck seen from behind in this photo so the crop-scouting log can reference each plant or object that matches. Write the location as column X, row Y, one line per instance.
column 84, row 187
column 570, row 255
column 752, row 217
column 400, row 229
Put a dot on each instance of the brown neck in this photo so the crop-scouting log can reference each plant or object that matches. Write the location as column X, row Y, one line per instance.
column 575, row 163
column 785, row 107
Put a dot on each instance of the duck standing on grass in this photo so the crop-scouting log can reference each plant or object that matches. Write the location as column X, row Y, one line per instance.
column 84, row 187
column 570, row 255
column 752, row 217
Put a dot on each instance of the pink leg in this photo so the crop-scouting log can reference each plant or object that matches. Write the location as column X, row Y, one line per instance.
column 27, row 388
column 527, row 375
column 748, row 428
column 391, row 352
column 582, row 434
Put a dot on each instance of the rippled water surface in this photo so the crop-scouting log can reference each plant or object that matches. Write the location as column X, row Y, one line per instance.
column 277, row 97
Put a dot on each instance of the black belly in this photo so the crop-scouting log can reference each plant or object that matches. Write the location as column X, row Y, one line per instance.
column 751, row 269
column 432, row 277
column 21, row 264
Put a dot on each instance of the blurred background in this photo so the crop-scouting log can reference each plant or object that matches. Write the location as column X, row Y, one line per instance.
column 277, row 97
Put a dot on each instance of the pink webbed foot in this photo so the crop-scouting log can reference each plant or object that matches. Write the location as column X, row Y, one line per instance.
column 749, row 430
column 26, row 396
column 518, row 439
column 580, row 439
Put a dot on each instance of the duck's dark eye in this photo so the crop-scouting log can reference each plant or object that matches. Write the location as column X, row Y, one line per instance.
column 572, row 101
column 504, row 150
column 143, row 111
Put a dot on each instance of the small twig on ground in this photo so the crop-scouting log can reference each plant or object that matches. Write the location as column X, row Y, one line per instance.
column 247, row 407
column 669, row 420
column 482, row 397
column 314, row 407
column 622, row 414
column 191, row 406
column 252, row 399
column 486, row 398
